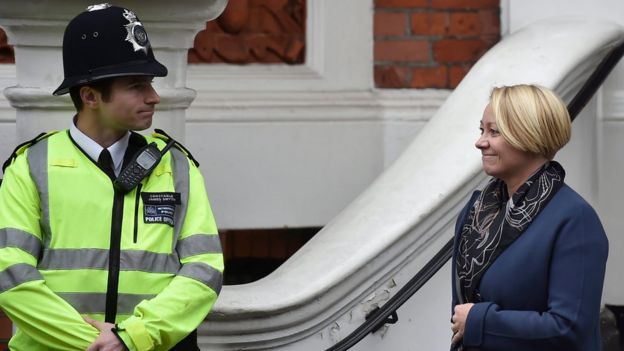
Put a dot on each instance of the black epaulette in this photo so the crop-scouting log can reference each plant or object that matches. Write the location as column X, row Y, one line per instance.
column 160, row 134
column 23, row 146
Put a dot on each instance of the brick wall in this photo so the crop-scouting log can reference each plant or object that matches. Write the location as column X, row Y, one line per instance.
column 251, row 254
column 418, row 43
column 431, row 43
column 5, row 331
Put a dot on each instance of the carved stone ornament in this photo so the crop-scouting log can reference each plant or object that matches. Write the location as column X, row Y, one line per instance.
column 254, row 31
column 7, row 55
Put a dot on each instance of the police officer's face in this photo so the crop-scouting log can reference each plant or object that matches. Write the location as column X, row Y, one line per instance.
column 131, row 103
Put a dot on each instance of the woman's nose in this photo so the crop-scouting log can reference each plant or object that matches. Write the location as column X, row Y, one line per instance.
column 481, row 143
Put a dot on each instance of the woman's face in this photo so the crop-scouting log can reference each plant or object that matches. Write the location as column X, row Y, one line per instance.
column 499, row 158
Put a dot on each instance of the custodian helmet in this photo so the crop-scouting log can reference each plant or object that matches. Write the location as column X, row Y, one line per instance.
column 106, row 41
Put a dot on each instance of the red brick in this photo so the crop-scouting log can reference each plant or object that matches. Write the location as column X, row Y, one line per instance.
column 456, row 74
column 260, row 244
column 279, row 248
column 490, row 22
column 402, row 50
column 214, row 27
column 6, row 51
column 399, row 3
column 294, row 51
column 4, row 40
column 224, row 244
column 455, row 50
column 234, row 16
column 272, row 4
column 240, row 244
column 391, row 77
column 490, row 39
column 258, row 45
column 429, row 77
column 203, row 47
column 390, row 23
column 232, row 48
column 464, row 4
column 275, row 50
column 294, row 243
column 5, row 327
column 192, row 57
column 268, row 22
column 434, row 23
column 465, row 24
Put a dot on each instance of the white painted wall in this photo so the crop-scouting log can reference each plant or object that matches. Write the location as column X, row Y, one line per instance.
column 8, row 139
column 288, row 145
column 293, row 145
column 367, row 252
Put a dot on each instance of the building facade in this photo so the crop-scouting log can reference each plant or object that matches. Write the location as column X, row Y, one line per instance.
column 301, row 105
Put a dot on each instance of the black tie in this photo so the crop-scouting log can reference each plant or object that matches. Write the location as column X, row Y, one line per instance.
column 105, row 161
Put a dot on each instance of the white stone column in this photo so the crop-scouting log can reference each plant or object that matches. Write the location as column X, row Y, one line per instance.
column 35, row 29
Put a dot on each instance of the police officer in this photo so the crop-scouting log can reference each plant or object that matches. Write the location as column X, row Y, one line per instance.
column 107, row 239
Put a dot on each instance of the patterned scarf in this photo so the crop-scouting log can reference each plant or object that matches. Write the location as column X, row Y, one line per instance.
column 494, row 223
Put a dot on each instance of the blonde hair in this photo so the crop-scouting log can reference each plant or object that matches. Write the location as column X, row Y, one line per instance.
column 531, row 118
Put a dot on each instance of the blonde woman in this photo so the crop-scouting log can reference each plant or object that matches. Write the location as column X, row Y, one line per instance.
column 530, row 253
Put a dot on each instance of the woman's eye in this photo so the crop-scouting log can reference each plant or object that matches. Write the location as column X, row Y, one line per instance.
column 495, row 131
column 481, row 131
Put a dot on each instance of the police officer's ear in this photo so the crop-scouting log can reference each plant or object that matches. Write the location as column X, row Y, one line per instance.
column 89, row 96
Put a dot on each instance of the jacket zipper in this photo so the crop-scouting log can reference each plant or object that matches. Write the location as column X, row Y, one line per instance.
column 113, row 258
column 136, row 212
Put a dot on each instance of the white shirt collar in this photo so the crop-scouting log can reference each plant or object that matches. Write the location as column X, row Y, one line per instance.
column 93, row 149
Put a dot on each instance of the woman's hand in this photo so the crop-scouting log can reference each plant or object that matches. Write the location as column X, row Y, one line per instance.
column 459, row 321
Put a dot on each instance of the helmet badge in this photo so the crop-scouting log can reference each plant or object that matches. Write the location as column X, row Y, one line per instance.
column 98, row 7
column 137, row 35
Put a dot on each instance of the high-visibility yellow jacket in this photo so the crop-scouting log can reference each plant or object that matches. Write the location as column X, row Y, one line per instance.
column 70, row 246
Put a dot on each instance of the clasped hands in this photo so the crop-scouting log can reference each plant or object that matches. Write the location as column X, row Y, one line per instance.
column 107, row 341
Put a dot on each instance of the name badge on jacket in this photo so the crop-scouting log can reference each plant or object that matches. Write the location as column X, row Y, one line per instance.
column 160, row 207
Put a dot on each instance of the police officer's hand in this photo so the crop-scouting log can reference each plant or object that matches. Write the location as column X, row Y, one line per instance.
column 107, row 341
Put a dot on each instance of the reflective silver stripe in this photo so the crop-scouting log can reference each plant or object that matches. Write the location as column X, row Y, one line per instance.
column 198, row 244
column 151, row 262
column 96, row 302
column 11, row 237
column 134, row 260
column 181, row 180
column 74, row 259
column 204, row 273
column 17, row 274
column 38, row 164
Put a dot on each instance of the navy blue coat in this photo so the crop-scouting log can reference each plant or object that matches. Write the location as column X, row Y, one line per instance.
column 543, row 292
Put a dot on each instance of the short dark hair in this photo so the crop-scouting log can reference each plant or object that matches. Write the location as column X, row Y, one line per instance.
column 104, row 86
